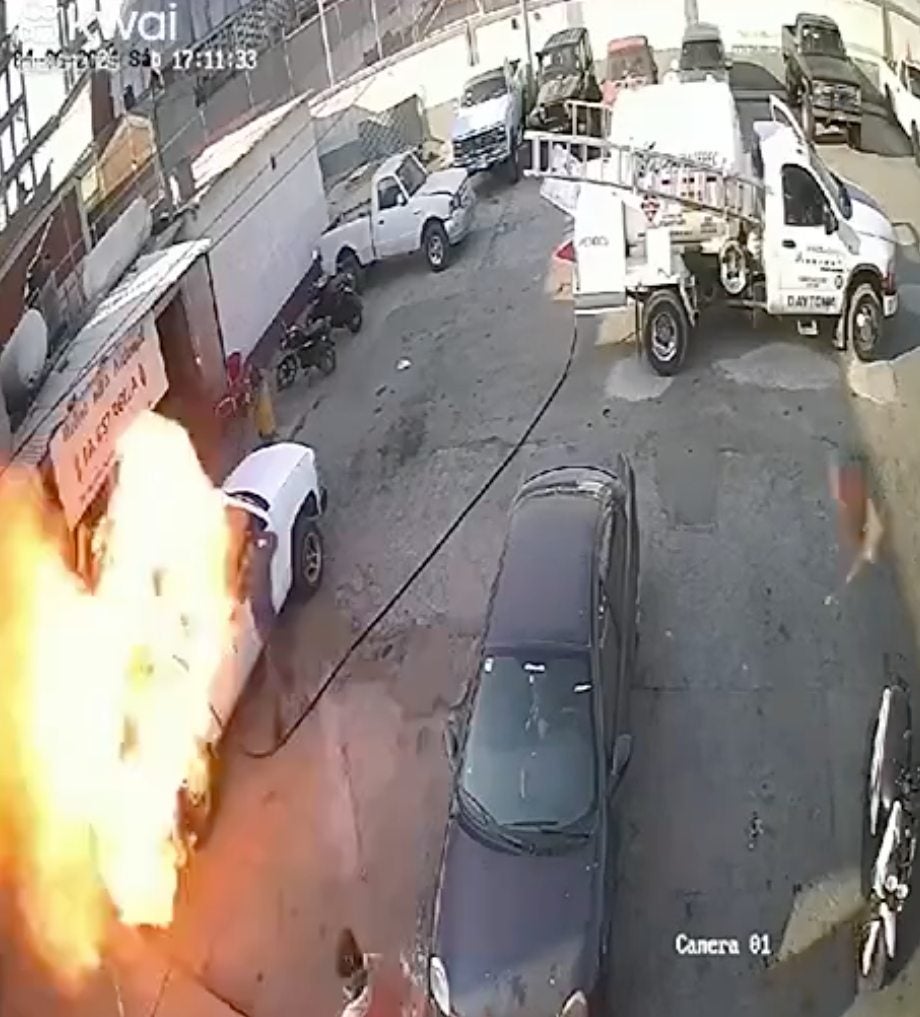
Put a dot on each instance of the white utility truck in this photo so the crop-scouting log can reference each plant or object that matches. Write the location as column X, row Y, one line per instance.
column 673, row 212
column 899, row 82
column 408, row 209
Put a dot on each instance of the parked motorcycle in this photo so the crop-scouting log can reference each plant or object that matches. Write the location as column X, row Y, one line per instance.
column 304, row 349
column 891, row 794
column 335, row 297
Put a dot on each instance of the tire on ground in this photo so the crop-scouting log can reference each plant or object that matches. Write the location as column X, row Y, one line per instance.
column 308, row 557
column 665, row 332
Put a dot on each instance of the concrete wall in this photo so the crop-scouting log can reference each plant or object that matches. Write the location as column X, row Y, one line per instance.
column 265, row 216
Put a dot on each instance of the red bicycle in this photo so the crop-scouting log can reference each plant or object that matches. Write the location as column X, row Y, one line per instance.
column 243, row 382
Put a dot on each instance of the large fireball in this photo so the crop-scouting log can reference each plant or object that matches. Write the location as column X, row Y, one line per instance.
column 104, row 697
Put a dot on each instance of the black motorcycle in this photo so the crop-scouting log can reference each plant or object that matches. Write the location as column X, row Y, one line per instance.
column 304, row 349
column 335, row 297
column 891, row 796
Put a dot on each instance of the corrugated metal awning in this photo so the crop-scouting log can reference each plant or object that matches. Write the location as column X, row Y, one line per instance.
column 137, row 293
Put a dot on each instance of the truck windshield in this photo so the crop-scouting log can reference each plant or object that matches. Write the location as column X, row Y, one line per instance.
column 702, row 54
column 556, row 62
column 411, row 175
column 834, row 186
column 628, row 63
column 483, row 90
column 822, row 40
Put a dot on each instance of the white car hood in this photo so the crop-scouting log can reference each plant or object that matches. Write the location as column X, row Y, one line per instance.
column 868, row 217
column 447, row 181
column 473, row 119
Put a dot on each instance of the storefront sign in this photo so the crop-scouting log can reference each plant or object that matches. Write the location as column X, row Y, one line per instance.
column 130, row 380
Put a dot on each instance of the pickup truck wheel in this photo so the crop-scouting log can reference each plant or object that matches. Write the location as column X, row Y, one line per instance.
column 348, row 262
column 436, row 246
column 889, row 101
column 309, row 558
column 513, row 164
column 864, row 322
column 665, row 332
column 854, row 137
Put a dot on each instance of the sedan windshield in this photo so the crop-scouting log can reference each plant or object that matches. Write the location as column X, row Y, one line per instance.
column 705, row 54
column 530, row 759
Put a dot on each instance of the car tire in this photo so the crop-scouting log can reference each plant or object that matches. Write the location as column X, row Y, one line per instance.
column 348, row 262
column 308, row 557
column 436, row 246
column 326, row 360
column 915, row 143
column 889, row 102
column 513, row 163
column 665, row 332
column 864, row 336
column 200, row 815
column 854, row 137
column 355, row 317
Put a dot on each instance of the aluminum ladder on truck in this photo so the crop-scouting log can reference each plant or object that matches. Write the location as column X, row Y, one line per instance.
column 659, row 177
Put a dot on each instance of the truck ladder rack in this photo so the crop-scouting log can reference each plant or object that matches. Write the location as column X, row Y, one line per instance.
column 647, row 172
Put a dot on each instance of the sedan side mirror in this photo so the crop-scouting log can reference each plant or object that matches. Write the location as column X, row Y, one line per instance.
column 830, row 221
column 622, row 753
column 452, row 740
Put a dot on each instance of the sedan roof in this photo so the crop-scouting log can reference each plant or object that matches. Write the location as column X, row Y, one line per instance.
column 544, row 589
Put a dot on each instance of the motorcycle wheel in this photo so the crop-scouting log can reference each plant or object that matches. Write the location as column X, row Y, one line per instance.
column 326, row 360
column 355, row 318
column 871, row 977
column 286, row 371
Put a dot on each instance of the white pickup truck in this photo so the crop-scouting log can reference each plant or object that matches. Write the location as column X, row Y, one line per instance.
column 899, row 82
column 408, row 209
column 489, row 125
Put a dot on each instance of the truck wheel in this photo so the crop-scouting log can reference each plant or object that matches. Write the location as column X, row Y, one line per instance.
column 436, row 247
column 889, row 102
column 808, row 117
column 665, row 332
column 308, row 558
column 915, row 143
column 513, row 163
column 863, row 321
column 854, row 137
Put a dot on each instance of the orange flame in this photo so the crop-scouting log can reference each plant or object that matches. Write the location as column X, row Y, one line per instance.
column 104, row 700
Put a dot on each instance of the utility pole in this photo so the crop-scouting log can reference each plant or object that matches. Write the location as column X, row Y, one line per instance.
column 325, row 32
column 376, row 29
column 525, row 18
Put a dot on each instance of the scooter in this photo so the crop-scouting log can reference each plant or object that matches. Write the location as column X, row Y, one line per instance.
column 305, row 348
column 891, row 793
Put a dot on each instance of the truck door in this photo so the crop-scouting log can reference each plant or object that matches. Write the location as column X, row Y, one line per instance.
column 250, row 576
column 393, row 224
column 780, row 113
column 808, row 253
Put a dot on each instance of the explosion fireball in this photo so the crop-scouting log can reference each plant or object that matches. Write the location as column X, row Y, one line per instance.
column 104, row 698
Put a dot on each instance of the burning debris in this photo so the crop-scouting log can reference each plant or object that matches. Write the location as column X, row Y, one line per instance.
column 104, row 698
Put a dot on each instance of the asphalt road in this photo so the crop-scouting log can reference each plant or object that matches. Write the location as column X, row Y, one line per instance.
column 758, row 669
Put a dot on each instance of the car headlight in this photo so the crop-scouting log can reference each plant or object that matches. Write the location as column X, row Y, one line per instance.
column 575, row 1006
column 437, row 982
